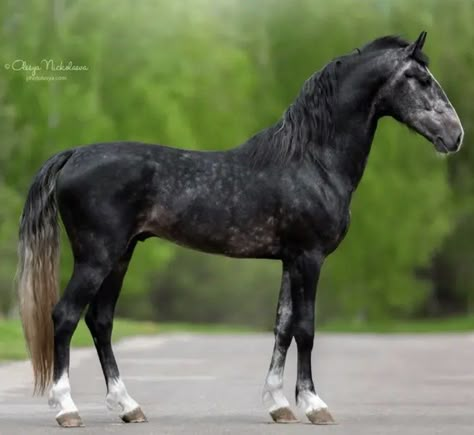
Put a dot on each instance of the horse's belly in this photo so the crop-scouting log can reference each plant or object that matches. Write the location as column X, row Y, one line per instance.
column 250, row 245
column 213, row 234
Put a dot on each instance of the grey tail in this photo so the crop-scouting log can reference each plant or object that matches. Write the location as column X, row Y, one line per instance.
column 37, row 273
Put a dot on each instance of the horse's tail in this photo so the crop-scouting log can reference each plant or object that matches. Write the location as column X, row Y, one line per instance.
column 37, row 273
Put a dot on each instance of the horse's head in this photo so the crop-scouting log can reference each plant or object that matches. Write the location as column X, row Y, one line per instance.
column 414, row 97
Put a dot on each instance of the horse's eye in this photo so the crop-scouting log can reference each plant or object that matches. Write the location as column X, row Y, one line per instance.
column 425, row 80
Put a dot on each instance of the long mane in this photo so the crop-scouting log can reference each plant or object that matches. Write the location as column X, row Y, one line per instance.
column 309, row 120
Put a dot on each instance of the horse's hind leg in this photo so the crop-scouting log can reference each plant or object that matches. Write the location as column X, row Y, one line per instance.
column 94, row 256
column 86, row 280
column 99, row 319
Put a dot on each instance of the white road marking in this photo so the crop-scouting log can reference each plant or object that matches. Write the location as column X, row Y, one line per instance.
column 140, row 343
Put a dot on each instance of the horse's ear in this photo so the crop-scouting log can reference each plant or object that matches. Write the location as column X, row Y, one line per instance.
column 418, row 44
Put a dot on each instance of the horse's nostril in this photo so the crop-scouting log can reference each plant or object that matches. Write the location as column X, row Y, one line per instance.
column 459, row 139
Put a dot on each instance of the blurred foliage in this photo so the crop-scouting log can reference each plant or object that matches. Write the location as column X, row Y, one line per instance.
column 207, row 74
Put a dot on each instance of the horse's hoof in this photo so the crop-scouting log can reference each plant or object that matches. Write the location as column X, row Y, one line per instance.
column 69, row 419
column 283, row 415
column 135, row 416
column 320, row 416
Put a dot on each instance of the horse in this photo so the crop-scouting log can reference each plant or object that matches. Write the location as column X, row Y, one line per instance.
column 284, row 194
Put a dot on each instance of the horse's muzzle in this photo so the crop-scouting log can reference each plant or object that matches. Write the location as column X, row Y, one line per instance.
column 451, row 137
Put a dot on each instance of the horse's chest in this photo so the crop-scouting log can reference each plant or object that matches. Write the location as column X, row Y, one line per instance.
column 336, row 233
column 319, row 222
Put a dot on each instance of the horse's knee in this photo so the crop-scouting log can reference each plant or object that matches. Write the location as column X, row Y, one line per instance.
column 283, row 337
column 304, row 336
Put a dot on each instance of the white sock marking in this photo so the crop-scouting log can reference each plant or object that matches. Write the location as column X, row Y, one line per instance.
column 60, row 396
column 118, row 398
column 309, row 402
column 273, row 395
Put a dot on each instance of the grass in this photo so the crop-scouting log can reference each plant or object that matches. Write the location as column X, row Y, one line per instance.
column 12, row 344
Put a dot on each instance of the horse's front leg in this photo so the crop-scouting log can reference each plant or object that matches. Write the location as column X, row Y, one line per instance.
column 304, row 275
column 273, row 396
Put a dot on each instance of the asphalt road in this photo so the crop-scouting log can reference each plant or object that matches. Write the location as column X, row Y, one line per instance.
column 203, row 384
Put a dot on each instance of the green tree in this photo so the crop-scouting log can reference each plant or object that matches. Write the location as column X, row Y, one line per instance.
column 207, row 74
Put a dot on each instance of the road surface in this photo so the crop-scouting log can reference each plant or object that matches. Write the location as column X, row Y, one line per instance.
column 211, row 384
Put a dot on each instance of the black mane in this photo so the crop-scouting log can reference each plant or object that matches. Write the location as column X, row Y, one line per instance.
column 309, row 119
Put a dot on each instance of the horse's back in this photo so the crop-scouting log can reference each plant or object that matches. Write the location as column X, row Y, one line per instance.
column 118, row 164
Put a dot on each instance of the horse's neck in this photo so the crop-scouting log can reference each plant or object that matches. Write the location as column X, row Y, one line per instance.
column 354, row 124
column 346, row 156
